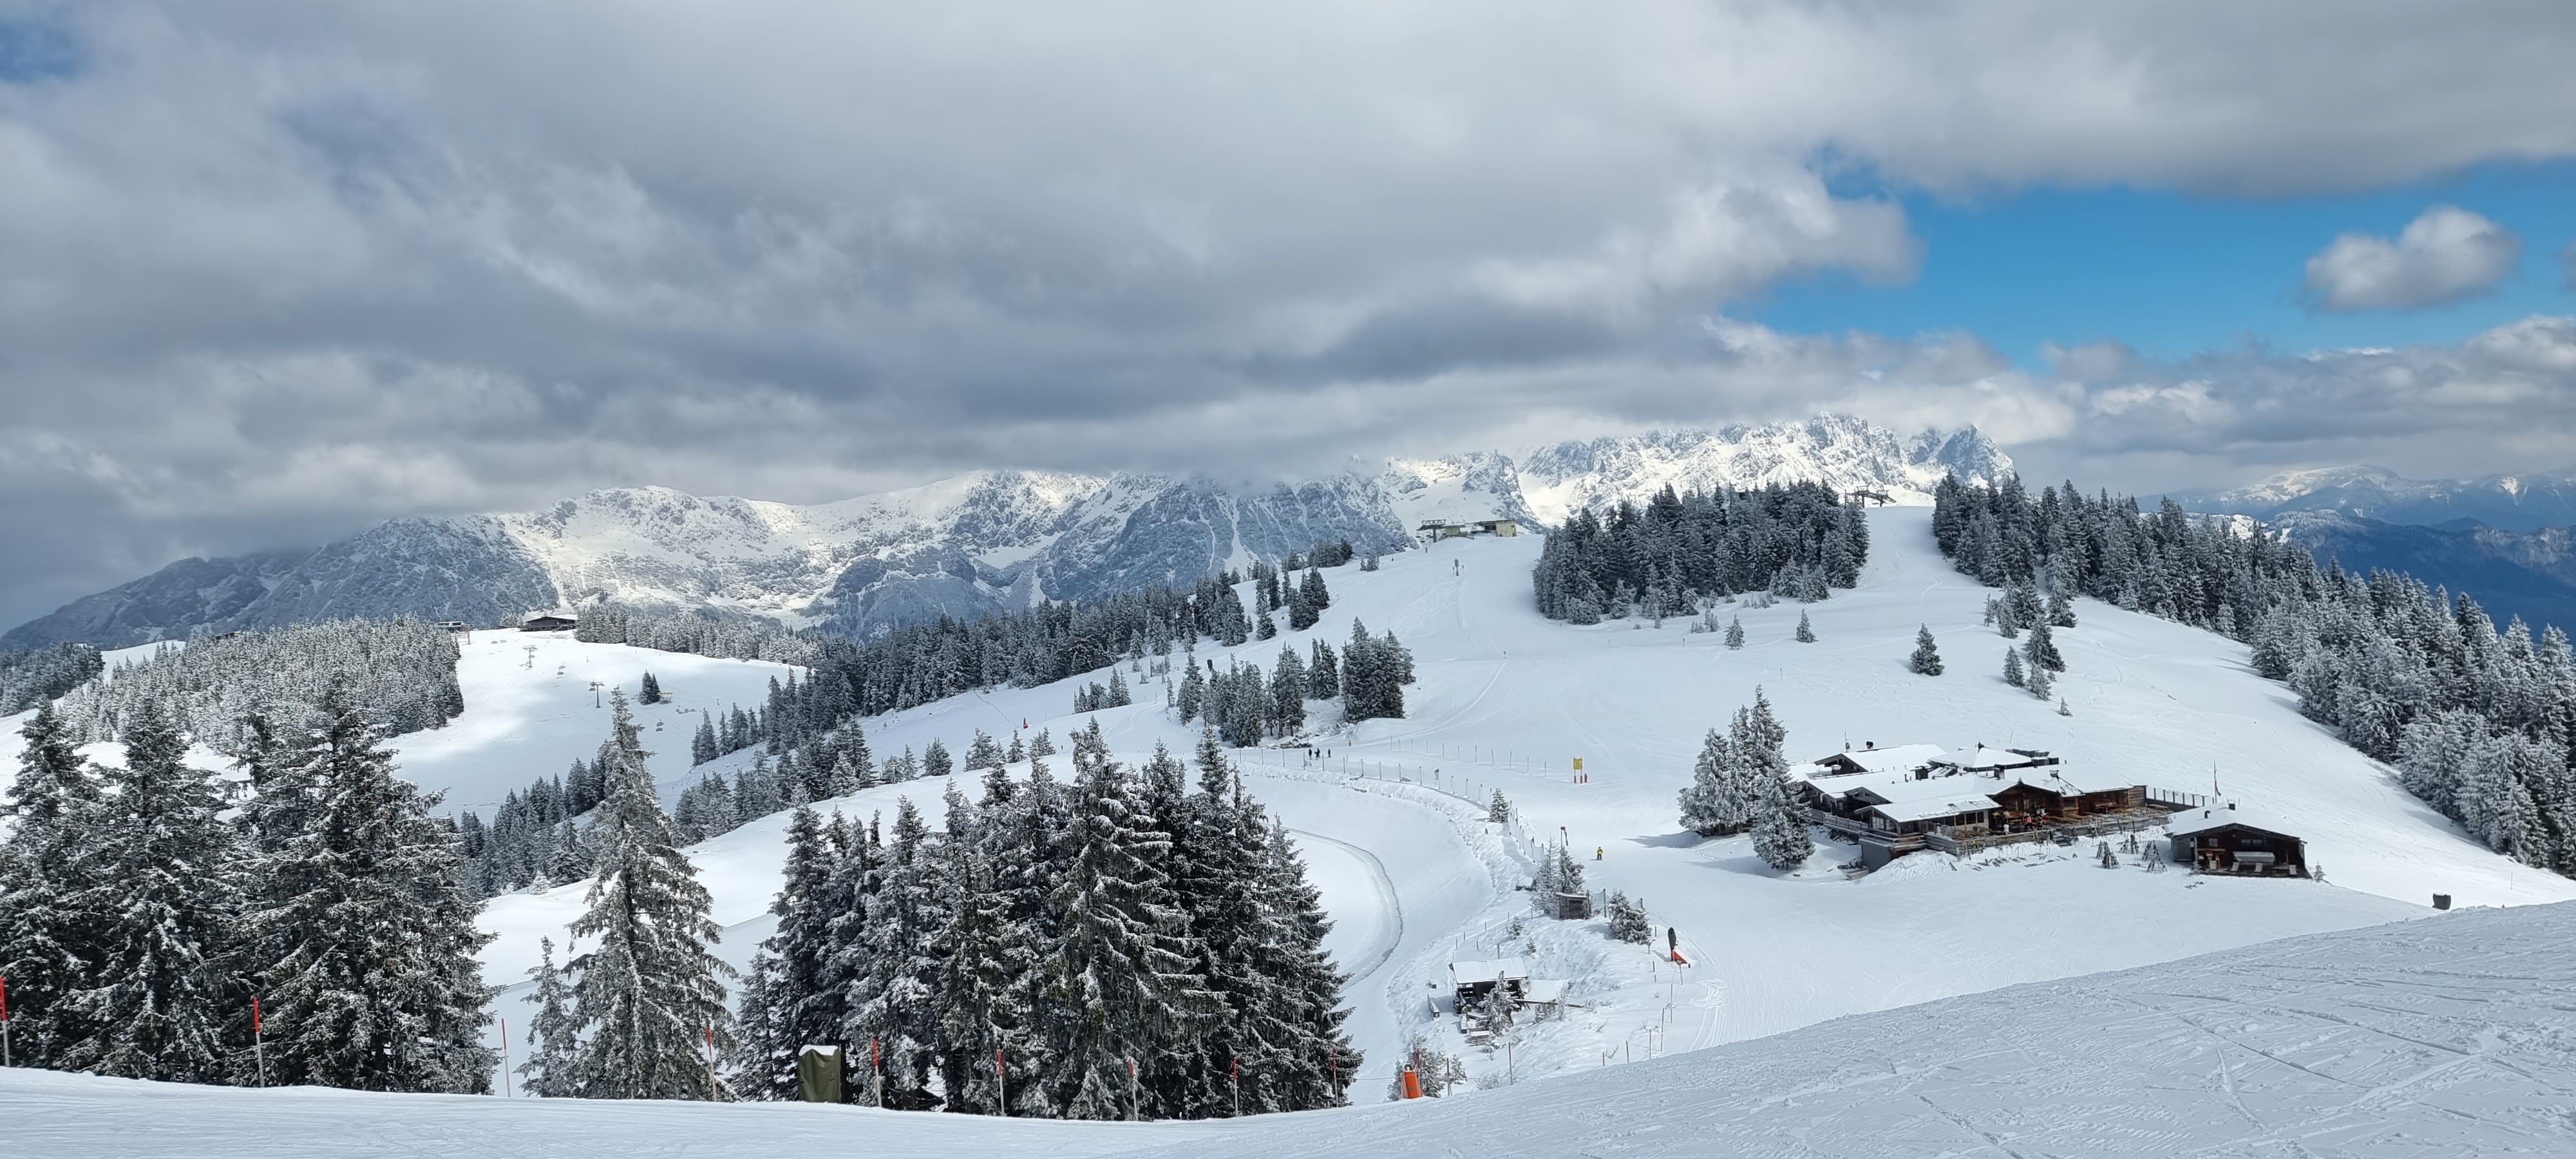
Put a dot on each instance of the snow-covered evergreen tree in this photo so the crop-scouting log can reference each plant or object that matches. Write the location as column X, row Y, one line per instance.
column 650, row 991
column 1628, row 920
column 1735, row 632
column 2041, row 686
column 45, row 940
column 2042, row 648
column 2012, row 667
column 1926, row 660
column 362, row 931
column 792, row 997
column 1806, row 631
column 1713, row 802
column 553, row 1069
column 156, row 897
column 1782, row 837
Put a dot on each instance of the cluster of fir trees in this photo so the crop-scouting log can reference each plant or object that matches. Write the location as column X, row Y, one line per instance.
column 728, row 638
column 2477, row 719
column 635, row 1014
column 31, row 677
column 1303, row 599
column 1244, row 704
column 1099, row 696
column 1664, row 559
column 1741, row 782
column 401, row 672
column 1126, row 946
column 725, row 735
column 149, row 905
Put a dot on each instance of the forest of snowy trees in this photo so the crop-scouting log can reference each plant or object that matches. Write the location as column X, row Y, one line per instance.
column 1799, row 541
column 221, row 689
column 2478, row 720
column 920, row 663
column 34, row 676
column 149, row 904
column 1126, row 945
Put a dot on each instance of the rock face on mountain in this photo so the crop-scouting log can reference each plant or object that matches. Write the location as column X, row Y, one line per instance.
column 964, row 546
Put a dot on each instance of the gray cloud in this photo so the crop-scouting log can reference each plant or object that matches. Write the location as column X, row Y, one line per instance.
column 2567, row 265
column 2445, row 255
column 276, row 271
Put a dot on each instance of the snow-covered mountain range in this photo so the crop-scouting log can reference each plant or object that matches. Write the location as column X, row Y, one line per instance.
column 967, row 545
column 2524, row 502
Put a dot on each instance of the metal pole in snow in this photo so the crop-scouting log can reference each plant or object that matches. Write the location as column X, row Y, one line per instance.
column 505, row 1058
column 1001, row 1084
column 4, row 1021
column 1237, row 1066
column 876, row 1074
column 258, row 1047
column 1133, row 1097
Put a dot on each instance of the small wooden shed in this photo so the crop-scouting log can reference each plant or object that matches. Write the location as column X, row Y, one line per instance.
column 2226, row 839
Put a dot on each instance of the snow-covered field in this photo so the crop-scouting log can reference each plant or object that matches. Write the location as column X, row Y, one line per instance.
column 2449, row 1037
column 537, row 701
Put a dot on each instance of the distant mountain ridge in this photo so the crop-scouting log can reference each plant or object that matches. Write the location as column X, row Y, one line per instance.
column 2511, row 502
column 980, row 542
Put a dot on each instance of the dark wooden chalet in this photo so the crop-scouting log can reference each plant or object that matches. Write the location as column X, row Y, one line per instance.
column 2224, row 839
column 549, row 622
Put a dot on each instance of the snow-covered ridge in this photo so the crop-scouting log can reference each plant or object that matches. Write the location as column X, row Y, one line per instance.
column 980, row 542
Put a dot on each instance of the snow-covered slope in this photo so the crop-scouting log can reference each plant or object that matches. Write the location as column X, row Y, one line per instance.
column 2442, row 1037
column 964, row 546
column 1393, row 824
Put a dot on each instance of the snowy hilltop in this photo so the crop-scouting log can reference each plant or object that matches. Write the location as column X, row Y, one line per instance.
column 980, row 542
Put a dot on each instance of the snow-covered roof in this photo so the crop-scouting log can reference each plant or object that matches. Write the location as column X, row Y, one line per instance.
column 1926, row 808
column 2062, row 780
column 2191, row 821
column 1891, row 785
column 1495, row 970
column 1893, row 758
column 1982, row 759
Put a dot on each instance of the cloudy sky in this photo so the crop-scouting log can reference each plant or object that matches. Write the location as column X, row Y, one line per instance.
column 269, row 272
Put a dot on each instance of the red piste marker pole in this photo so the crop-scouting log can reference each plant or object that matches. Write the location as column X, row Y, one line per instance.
column 1001, row 1084
column 258, row 1046
column 1235, row 1066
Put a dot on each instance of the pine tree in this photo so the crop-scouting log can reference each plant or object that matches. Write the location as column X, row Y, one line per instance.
column 553, row 1069
column 651, row 691
column 894, row 987
column 1499, row 811
column 935, row 762
column 1926, row 660
column 650, row 991
column 702, row 747
column 2041, row 687
column 2042, row 649
column 1806, row 631
column 1781, row 836
column 1735, row 632
column 44, row 940
column 158, row 900
column 2012, row 667
column 799, row 1001
column 1323, row 672
column 1628, row 920
column 1119, row 985
column 364, row 931
column 987, row 970
column 1713, row 803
